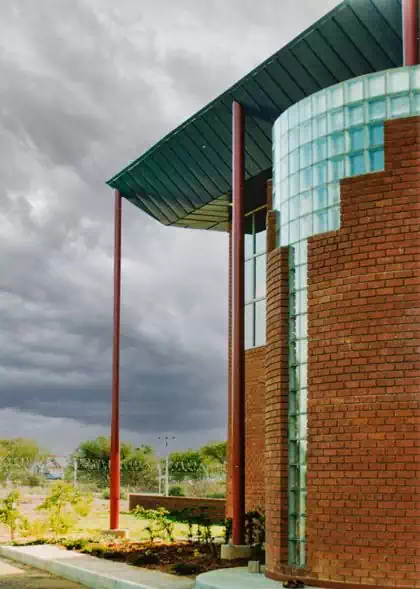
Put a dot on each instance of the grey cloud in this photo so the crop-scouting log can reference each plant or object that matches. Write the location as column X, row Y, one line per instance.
column 86, row 87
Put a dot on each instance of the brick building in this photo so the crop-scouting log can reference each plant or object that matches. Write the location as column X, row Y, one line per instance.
column 316, row 178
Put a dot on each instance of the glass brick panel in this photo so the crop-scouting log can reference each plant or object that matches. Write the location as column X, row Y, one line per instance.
column 400, row 106
column 337, row 170
column 306, row 203
column 306, row 155
column 357, row 164
column 320, row 221
column 377, row 109
column 306, row 132
column 284, row 212
column 320, row 149
column 357, row 138
column 356, row 115
column 305, row 180
column 336, row 120
column 398, row 81
column 376, row 85
column 294, row 161
column 355, row 90
column 320, row 198
column 376, row 135
column 320, row 102
column 337, row 143
column 334, row 193
column 320, row 173
column 334, row 218
column 336, row 97
column 305, row 226
column 376, row 160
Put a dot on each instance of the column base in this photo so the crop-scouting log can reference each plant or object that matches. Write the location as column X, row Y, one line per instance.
column 234, row 551
column 115, row 533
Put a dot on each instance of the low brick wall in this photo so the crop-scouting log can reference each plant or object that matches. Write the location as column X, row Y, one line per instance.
column 216, row 507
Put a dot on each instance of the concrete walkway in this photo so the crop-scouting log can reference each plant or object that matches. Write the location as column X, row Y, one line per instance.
column 20, row 576
column 92, row 572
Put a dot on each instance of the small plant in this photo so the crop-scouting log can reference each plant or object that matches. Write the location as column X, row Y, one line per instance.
column 159, row 524
column 146, row 558
column 176, row 491
column 106, row 494
column 254, row 527
column 228, row 529
column 65, row 505
column 33, row 529
column 10, row 515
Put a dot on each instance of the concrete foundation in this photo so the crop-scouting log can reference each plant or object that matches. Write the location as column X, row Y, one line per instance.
column 115, row 533
column 233, row 551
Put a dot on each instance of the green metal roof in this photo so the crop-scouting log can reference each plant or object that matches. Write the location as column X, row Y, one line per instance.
column 185, row 179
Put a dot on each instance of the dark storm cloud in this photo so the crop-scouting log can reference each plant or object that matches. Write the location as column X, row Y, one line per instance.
column 86, row 87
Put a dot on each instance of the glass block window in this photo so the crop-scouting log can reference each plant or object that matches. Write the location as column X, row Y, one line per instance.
column 255, row 278
column 336, row 133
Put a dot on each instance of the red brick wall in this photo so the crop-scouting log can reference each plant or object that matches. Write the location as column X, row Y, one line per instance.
column 276, row 417
column 254, row 428
column 216, row 507
column 363, row 502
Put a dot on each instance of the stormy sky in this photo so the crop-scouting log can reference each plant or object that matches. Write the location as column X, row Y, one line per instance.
column 86, row 86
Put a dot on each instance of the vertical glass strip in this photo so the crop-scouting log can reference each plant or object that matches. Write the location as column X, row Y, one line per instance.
column 298, row 370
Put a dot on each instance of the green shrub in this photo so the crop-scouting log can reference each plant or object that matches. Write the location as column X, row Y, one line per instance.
column 33, row 528
column 33, row 480
column 159, row 522
column 106, row 494
column 216, row 495
column 64, row 505
column 176, row 491
column 10, row 515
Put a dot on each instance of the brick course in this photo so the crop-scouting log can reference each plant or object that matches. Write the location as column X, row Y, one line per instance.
column 254, row 428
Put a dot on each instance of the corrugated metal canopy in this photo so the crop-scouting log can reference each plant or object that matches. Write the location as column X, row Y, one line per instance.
column 185, row 179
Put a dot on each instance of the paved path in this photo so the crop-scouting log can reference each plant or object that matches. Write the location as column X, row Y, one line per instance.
column 21, row 576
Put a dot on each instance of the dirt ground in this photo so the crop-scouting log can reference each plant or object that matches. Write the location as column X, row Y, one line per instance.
column 20, row 576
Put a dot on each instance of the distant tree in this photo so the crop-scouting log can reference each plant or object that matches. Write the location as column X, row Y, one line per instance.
column 21, row 458
column 138, row 466
column 139, row 469
column 187, row 465
column 214, row 453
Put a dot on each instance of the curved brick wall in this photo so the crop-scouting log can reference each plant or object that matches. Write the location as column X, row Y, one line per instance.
column 363, row 517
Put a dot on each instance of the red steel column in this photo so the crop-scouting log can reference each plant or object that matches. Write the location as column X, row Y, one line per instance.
column 411, row 31
column 238, row 356
column 114, row 503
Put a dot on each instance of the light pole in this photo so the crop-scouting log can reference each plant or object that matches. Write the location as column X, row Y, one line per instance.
column 167, row 438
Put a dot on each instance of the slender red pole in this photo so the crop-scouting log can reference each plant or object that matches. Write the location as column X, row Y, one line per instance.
column 411, row 32
column 115, row 422
column 238, row 356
